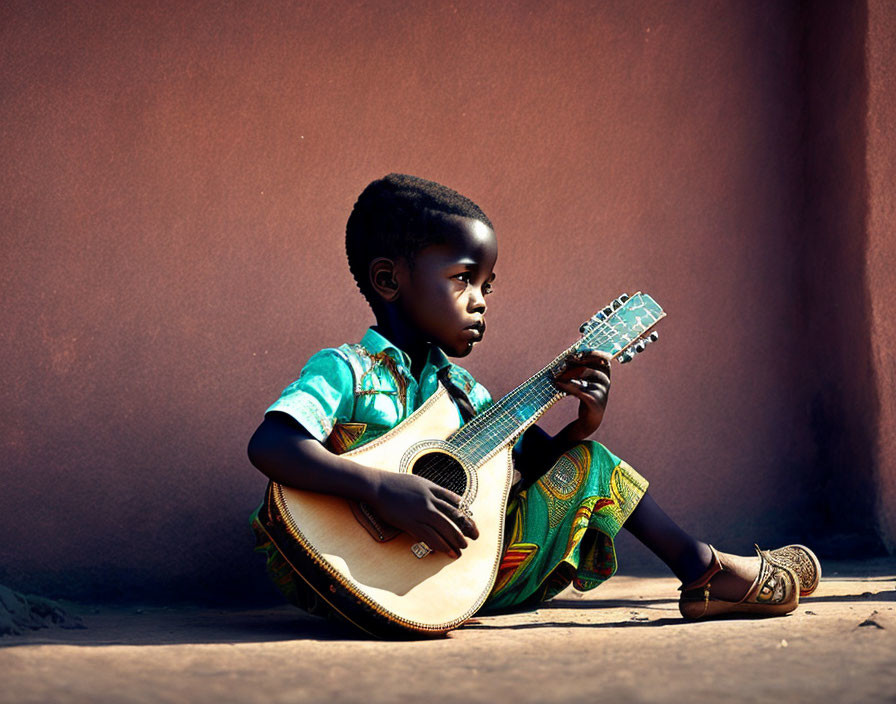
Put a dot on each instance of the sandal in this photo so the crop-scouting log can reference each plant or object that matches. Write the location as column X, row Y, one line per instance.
column 774, row 592
column 803, row 562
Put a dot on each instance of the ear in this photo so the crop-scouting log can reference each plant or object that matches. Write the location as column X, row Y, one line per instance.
column 383, row 280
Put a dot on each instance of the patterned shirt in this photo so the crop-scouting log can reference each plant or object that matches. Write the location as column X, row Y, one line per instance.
column 349, row 395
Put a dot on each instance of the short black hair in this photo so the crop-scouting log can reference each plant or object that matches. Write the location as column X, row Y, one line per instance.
column 397, row 216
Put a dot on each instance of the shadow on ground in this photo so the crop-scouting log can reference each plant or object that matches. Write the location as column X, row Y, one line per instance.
column 188, row 625
column 165, row 625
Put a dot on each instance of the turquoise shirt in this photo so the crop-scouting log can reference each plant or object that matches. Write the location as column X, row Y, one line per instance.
column 348, row 395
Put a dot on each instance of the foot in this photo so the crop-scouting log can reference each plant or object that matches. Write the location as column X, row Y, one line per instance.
column 771, row 589
column 736, row 579
column 803, row 562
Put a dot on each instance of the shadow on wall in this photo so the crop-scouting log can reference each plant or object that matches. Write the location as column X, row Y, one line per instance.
column 843, row 416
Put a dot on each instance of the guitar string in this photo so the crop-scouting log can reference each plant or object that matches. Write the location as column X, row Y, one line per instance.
column 507, row 421
column 535, row 388
column 507, row 414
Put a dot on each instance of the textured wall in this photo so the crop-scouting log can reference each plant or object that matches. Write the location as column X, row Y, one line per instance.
column 837, row 370
column 881, row 254
column 176, row 181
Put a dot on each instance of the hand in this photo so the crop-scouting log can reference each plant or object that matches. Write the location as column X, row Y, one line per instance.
column 585, row 375
column 425, row 511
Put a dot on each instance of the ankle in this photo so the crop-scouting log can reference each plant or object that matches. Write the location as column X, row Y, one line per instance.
column 694, row 563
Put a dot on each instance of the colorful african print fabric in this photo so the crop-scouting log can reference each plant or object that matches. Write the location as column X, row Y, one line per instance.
column 561, row 529
column 559, row 532
column 347, row 396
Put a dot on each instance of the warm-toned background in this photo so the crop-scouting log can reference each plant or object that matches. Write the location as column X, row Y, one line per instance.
column 176, row 179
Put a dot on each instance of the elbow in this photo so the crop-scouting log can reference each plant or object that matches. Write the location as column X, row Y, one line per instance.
column 257, row 450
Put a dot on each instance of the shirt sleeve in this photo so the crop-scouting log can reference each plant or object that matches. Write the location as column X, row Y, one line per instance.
column 322, row 396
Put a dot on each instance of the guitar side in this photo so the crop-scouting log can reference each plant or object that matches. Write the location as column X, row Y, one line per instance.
column 381, row 586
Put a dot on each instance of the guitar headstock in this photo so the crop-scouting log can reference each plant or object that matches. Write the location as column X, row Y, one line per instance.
column 624, row 327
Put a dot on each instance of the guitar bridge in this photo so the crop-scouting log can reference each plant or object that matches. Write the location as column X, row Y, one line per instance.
column 378, row 529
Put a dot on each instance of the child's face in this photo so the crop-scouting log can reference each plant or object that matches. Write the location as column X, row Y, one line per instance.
column 442, row 295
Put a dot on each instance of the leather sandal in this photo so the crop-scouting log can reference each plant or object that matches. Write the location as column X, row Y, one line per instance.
column 803, row 562
column 774, row 592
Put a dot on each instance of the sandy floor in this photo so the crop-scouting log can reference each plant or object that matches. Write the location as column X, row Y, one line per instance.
column 623, row 641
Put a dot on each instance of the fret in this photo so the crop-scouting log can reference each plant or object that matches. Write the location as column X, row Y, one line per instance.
column 507, row 418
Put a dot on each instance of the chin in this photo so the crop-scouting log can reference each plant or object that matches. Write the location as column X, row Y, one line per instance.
column 464, row 349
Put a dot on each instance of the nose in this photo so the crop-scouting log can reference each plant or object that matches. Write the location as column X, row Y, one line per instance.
column 476, row 304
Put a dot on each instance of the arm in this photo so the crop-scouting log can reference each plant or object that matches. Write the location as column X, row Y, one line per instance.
column 286, row 453
column 587, row 377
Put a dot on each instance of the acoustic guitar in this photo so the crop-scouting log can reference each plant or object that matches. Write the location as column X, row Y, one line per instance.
column 381, row 579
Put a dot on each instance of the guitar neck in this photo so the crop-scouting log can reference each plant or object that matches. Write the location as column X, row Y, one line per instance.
column 508, row 418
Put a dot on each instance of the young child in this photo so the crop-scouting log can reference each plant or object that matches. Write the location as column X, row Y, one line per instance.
column 423, row 256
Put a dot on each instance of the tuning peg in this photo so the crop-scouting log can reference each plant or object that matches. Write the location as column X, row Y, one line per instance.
column 607, row 311
column 624, row 297
column 654, row 336
column 617, row 304
column 626, row 357
column 639, row 347
column 594, row 319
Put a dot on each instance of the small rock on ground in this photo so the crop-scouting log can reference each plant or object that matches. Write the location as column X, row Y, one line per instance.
column 20, row 612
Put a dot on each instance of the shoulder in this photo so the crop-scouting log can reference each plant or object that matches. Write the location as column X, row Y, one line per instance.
column 329, row 358
column 351, row 360
column 352, row 357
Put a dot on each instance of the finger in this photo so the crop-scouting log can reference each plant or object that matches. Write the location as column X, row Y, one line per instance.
column 434, row 540
column 592, row 376
column 463, row 521
column 448, row 531
column 584, row 390
column 593, row 359
column 446, row 494
column 573, row 389
column 597, row 377
column 605, row 356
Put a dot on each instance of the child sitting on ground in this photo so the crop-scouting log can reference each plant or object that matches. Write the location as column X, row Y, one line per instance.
column 423, row 256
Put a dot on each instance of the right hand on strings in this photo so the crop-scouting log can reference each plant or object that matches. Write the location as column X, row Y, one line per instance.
column 424, row 510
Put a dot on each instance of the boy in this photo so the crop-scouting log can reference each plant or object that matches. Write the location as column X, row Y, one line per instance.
column 423, row 256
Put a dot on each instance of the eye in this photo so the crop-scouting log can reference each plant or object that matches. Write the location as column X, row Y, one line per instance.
column 464, row 276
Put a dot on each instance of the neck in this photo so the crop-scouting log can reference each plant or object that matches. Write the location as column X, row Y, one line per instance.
column 507, row 418
column 405, row 338
column 618, row 328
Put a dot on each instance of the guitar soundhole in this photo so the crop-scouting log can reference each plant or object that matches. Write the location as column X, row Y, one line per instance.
column 442, row 469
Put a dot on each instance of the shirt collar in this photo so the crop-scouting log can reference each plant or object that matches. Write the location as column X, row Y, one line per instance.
column 374, row 342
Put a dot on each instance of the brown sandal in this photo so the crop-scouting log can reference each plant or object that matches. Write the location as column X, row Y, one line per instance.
column 803, row 562
column 774, row 592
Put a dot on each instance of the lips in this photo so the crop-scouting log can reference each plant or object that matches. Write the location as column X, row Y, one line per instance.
column 476, row 330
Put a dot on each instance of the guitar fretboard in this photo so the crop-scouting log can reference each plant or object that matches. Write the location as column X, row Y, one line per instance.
column 507, row 418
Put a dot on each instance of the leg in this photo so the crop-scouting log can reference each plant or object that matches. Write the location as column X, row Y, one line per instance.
column 687, row 557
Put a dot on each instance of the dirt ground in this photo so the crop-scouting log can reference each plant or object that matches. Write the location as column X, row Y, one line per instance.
column 622, row 642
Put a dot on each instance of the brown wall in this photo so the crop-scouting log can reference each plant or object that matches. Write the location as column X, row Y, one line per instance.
column 177, row 179
column 837, row 371
column 881, row 252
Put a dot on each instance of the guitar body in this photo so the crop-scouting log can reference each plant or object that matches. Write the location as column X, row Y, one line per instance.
column 383, row 587
column 380, row 579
